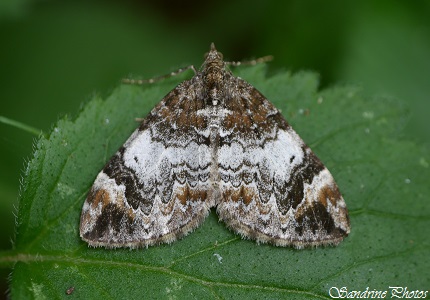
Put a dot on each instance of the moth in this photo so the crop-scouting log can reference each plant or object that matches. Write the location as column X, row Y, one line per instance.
column 214, row 141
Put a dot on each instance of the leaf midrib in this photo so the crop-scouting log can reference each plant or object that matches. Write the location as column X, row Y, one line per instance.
column 28, row 258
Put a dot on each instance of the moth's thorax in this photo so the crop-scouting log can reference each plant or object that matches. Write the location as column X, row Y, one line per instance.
column 213, row 74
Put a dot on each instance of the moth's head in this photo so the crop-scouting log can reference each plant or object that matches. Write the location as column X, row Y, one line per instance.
column 213, row 57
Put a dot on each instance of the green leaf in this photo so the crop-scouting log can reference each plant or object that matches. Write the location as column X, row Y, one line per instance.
column 383, row 177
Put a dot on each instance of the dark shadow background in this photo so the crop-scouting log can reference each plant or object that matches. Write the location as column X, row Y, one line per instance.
column 55, row 55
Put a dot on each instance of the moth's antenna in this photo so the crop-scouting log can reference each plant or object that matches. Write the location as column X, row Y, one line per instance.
column 156, row 79
column 250, row 62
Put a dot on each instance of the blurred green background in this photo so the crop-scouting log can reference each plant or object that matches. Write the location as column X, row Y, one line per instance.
column 54, row 55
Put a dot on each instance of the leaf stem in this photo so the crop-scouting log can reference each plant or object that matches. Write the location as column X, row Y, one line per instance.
column 20, row 125
column 8, row 258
